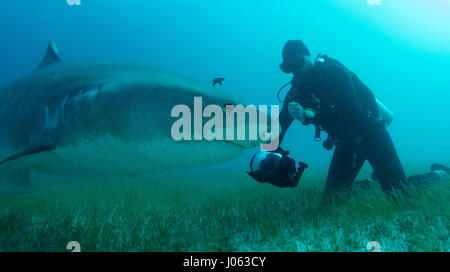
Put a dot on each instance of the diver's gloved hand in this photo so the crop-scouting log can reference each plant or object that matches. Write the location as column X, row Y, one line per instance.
column 296, row 111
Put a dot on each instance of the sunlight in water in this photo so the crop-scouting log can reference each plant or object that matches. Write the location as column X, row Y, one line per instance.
column 419, row 22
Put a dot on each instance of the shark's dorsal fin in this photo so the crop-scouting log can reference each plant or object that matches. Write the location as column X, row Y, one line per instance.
column 51, row 56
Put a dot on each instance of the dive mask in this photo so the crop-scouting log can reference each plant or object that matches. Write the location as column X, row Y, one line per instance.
column 292, row 64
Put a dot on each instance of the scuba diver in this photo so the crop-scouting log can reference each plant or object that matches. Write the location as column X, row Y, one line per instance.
column 327, row 95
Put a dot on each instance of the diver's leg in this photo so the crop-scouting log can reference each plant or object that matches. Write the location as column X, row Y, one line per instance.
column 345, row 166
column 384, row 160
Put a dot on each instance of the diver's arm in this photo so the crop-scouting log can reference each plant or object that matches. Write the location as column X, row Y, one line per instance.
column 285, row 118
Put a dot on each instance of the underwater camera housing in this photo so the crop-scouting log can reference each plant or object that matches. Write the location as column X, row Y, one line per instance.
column 276, row 169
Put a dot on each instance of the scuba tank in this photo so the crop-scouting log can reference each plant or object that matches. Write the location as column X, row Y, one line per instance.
column 386, row 115
column 364, row 93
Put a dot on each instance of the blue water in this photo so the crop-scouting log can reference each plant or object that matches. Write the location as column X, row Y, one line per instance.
column 400, row 50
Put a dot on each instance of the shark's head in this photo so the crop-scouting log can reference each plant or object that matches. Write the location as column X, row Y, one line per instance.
column 128, row 119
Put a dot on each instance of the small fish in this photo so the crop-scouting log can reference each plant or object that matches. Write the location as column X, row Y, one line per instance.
column 218, row 80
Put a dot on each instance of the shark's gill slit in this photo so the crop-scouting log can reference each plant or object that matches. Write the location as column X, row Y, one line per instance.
column 54, row 111
column 55, row 108
column 91, row 90
column 75, row 95
column 87, row 91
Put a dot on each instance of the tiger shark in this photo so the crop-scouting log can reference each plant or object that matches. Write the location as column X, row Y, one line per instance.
column 107, row 119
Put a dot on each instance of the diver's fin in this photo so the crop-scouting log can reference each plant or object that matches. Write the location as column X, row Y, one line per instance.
column 51, row 56
column 439, row 167
column 46, row 143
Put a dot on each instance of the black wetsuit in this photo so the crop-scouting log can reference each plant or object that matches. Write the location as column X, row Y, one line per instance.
column 346, row 109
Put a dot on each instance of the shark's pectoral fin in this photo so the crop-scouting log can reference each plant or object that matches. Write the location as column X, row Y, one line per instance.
column 46, row 143
column 15, row 170
column 50, row 57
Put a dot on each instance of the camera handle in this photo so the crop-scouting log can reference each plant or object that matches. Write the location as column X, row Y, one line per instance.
column 301, row 168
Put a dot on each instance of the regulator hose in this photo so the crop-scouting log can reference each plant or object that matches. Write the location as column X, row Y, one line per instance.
column 279, row 91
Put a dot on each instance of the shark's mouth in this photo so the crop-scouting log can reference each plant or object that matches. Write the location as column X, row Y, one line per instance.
column 241, row 146
column 235, row 143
